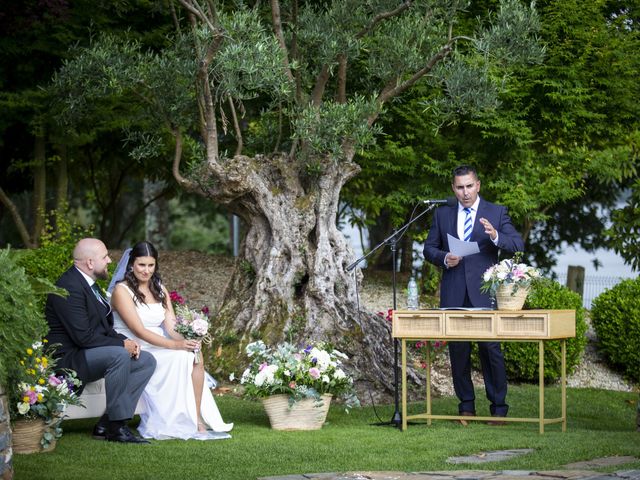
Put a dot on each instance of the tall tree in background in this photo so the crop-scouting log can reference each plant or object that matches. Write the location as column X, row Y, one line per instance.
column 311, row 83
column 559, row 152
column 44, row 164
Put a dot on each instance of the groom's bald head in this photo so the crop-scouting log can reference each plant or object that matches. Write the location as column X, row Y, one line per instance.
column 91, row 256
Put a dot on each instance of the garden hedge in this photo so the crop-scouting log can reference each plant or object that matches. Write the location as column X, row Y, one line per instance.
column 521, row 358
column 615, row 315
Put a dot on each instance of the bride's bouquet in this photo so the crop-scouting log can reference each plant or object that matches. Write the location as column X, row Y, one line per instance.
column 192, row 325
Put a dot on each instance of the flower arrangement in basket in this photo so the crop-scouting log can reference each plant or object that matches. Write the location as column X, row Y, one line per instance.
column 307, row 372
column 509, row 278
column 37, row 390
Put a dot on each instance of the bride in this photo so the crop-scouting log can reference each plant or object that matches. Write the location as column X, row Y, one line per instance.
column 176, row 401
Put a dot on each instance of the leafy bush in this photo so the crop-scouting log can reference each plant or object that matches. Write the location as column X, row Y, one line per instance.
column 615, row 315
column 21, row 320
column 54, row 256
column 521, row 358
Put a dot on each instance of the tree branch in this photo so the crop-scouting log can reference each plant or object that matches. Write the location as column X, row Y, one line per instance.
column 277, row 29
column 382, row 16
column 321, row 83
column 390, row 91
column 236, row 126
column 342, row 78
column 177, row 158
column 17, row 220
column 197, row 10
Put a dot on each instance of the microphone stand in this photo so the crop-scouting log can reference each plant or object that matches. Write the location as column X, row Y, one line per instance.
column 392, row 241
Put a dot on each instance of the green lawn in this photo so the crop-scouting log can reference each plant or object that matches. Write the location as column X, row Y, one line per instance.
column 601, row 423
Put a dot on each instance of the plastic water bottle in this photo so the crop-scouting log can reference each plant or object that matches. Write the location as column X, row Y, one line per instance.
column 412, row 295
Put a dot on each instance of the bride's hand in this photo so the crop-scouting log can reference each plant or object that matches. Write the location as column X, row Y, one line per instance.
column 188, row 345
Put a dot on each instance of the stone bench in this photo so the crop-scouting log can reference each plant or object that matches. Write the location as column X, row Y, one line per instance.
column 95, row 402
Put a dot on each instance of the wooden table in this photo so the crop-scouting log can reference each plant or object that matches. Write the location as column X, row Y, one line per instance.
column 486, row 326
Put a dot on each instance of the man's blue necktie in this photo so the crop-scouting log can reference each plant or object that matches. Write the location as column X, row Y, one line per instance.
column 468, row 224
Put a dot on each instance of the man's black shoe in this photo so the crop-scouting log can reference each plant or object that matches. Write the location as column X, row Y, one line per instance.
column 99, row 431
column 124, row 435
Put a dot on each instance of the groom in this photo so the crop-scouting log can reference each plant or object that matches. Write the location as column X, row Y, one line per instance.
column 82, row 326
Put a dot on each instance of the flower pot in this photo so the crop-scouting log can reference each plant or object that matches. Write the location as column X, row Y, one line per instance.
column 26, row 436
column 508, row 299
column 305, row 414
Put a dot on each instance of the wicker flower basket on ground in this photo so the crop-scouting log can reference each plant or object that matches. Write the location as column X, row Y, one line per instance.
column 304, row 414
column 507, row 299
column 26, row 436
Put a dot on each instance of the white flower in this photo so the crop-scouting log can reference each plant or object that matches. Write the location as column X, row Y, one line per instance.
column 200, row 326
column 266, row 375
column 23, row 408
column 232, row 377
column 323, row 359
column 326, row 379
column 339, row 374
column 246, row 376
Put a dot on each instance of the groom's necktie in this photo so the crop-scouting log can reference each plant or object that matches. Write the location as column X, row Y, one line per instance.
column 468, row 224
column 101, row 299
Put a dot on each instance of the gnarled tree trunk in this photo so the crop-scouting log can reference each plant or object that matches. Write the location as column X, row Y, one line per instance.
column 291, row 280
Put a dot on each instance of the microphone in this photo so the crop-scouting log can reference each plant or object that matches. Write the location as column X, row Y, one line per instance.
column 450, row 202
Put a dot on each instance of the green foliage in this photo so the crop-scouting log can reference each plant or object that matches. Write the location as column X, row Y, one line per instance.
column 624, row 234
column 21, row 318
column 54, row 256
column 522, row 358
column 615, row 315
column 328, row 128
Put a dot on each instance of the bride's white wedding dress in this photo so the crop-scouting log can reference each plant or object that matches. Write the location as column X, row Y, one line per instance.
column 169, row 404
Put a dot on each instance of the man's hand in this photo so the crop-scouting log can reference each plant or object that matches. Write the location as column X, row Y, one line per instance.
column 451, row 260
column 488, row 228
column 132, row 347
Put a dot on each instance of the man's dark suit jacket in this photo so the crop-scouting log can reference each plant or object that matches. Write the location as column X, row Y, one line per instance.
column 467, row 275
column 78, row 322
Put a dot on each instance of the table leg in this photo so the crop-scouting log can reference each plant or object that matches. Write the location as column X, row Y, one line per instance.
column 404, row 384
column 541, row 383
column 428, row 381
column 563, row 346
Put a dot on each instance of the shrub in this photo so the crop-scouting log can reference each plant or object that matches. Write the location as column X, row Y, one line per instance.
column 53, row 257
column 521, row 358
column 21, row 320
column 615, row 315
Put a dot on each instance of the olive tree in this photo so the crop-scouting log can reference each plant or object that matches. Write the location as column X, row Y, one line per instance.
column 265, row 106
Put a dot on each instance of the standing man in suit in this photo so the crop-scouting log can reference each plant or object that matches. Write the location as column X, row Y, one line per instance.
column 490, row 226
column 82, row 325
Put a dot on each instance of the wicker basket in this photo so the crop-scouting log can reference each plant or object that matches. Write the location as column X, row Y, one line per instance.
column 26, row 436
column 507, row 299
column 305, row 414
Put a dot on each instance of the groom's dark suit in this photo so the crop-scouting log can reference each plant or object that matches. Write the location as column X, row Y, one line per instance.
column 460, row 287
column 82, row 326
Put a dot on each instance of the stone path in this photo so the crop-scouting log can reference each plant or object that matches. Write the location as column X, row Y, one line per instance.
column 575, row 471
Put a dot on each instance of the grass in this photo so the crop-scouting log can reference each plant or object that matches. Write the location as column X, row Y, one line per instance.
column 600, row 423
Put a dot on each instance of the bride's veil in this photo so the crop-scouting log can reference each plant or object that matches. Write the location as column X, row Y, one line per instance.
column 121, row 269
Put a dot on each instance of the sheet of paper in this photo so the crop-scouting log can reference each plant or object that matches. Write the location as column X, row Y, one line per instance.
column 460, row 247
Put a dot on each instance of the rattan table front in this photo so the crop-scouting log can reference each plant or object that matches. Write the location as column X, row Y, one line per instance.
column 488, row 326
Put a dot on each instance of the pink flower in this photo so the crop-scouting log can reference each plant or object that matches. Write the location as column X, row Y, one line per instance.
column 175, row 297
column 54, row 381
column 262, row 366
column 292, row 384
column 314, row 372
column 33, row 396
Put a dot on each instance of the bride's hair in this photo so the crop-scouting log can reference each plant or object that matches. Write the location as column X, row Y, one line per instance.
column 144, row 249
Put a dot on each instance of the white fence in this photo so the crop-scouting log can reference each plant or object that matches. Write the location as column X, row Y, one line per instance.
column 594, row 285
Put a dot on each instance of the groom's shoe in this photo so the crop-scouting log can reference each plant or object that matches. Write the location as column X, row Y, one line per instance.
column 100, row 429
column 122, row 434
